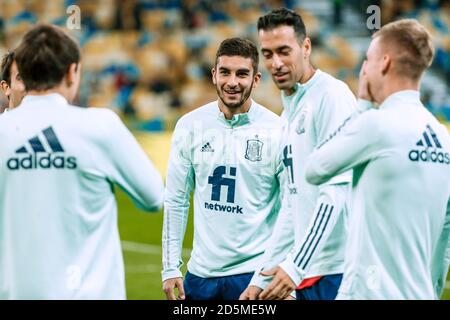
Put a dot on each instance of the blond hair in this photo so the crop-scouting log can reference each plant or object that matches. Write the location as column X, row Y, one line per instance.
column 413, row 46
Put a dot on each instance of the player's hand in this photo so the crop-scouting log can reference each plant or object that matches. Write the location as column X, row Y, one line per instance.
column 280, row 287
column 169, row 286
column 363, row 85
column 250, row 293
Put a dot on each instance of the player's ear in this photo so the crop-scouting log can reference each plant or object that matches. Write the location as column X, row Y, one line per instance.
column 5, row 88
column 72, row 74
column 386, row 64
column 307, row 46
column 213, row 75
column 256, row 79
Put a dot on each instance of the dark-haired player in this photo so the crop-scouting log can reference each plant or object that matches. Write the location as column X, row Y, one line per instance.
column 11, row 82
column 59, row 165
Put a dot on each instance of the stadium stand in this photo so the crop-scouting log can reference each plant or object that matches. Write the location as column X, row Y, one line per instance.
column 150, row 60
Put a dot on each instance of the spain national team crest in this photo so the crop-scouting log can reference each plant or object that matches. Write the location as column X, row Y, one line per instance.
column 254, row 149
column 300, row 129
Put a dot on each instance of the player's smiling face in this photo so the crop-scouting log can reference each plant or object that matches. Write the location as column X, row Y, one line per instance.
column 283, row 55
column 234, row 79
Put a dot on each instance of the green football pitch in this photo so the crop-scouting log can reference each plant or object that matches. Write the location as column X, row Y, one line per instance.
column 141, row 245
column 141, row 234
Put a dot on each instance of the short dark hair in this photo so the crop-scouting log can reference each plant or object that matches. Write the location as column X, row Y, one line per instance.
column 239, row 47
column 280, row 17
column 44, row 56
column 7, row 62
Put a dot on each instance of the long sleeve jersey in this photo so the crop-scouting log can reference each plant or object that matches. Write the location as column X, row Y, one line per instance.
column 58, row 215
column 398, row 233
column 314, row 220
column 234, row 169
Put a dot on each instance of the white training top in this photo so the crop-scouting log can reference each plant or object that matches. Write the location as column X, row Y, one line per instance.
column 58, row 215
column 401, row 187
column 309, row 237
column 234, row 167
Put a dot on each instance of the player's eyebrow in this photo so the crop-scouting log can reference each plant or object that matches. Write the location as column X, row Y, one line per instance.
column 282, row 48
column 278, row 49
column 242, row 70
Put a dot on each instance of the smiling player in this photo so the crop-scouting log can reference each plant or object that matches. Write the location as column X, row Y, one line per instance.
column 227, row 151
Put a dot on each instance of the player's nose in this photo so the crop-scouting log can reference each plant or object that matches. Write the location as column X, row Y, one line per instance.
column 232, row 82
column 277, row 63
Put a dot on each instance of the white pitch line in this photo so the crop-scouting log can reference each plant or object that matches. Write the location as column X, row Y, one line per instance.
column 146, row 248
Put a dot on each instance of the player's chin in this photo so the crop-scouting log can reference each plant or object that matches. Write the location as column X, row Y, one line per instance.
column 233, row 105
column 283, row 84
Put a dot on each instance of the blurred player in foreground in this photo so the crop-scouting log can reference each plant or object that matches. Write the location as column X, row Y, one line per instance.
column 228, row 151
column 11, row 82
column 400, row 158
column 58, row 166
column 307, row 246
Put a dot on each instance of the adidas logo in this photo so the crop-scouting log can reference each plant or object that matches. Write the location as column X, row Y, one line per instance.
column 426, row 155
column 46, row 154
column 207, row 148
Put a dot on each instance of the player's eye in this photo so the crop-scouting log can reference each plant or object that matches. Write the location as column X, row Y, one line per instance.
column 267, row 55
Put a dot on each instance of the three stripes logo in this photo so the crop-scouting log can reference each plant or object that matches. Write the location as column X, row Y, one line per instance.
column 207, row 148
column 430, row 149
column 315, row 235
column 42, row 152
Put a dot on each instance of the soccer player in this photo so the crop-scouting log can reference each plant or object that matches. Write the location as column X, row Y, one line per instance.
column 306, row 250
column 59, row 165
column 399, row 153
column 11, row 82
column 228, row 151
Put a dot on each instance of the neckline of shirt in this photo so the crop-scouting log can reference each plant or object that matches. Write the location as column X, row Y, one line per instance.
column 299, row 87
column 239, row 119
column 404, row 95
column 56, row 97
column 299, row 91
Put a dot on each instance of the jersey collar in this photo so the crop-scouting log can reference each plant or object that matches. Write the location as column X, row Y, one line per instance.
column 408, row 97
column 239, row 119
column 299, row 90
column 56, row 98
